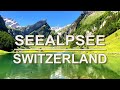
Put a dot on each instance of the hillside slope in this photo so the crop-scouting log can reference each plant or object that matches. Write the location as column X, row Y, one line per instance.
column 112, row 43
column 98, row 23
column 113, row 51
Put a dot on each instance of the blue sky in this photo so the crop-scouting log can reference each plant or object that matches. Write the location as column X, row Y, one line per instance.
column 54, row 18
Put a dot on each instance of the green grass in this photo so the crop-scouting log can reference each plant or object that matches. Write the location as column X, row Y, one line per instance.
column 113, row 47
column 92, row 17
column 113, row 56
column 112, row 43
column 44, row 49
column 114, row 63
column 112, row 51
column 2, row 52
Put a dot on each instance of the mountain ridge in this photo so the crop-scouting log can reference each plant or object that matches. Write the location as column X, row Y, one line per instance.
column 40, row 27
column 11, row 23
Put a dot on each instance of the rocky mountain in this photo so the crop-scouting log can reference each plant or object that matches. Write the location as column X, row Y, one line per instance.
column 99, row 22
column 42, row 24
column 95, row 23
column 88, row 12
column 41, row 27
column 59, row 29
column 11, row 23
column 71, row 28
column 89, row 22
column 56, row 28
column 92, row 22
column 2, row 25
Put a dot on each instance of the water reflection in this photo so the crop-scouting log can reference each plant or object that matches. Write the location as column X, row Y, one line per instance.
column 37, row 71
column 9, row 70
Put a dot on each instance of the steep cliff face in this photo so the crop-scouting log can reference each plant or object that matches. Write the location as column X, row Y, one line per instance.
column 41, row 27
column 89, row 22
column 73, row 26
column 88, row 12
column 2, row 25
column 99, row 22
column 31, row 28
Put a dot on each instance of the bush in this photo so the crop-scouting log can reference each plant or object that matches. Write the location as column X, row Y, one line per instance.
column 7, row 42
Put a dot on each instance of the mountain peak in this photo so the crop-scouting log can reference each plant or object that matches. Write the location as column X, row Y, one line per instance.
column 57, row 28
column 9, row 22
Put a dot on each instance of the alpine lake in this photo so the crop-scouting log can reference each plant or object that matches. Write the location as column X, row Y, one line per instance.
column 10, row 70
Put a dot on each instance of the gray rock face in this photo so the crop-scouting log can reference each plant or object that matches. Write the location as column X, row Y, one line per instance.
column 31, row 28
column 88, row 12
column 38, row 28
column 74, row 25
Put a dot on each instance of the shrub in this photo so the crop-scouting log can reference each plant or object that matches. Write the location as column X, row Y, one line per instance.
column 7, row 42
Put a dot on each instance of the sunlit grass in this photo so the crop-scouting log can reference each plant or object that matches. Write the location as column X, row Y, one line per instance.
column 2, row 52
column 112, row 43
